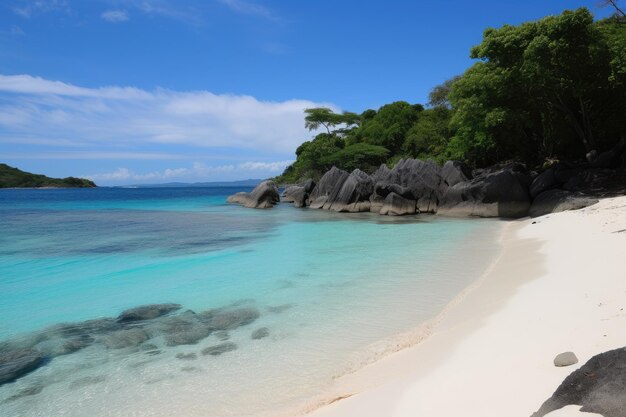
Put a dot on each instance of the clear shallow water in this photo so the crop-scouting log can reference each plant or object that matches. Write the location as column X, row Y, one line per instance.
column 342, row 283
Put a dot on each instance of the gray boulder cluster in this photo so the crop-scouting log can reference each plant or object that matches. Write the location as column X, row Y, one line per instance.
column 414, row 186
column 136, row 329
column 264, row 195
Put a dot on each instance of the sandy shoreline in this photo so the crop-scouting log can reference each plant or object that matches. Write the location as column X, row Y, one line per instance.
column 558, row 285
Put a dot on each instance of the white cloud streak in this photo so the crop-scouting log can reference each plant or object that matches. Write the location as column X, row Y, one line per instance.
column 29, row 8
column 115, row 16
column 82, row 155
column 198, row 171
column 249, row 8
column 32, row 107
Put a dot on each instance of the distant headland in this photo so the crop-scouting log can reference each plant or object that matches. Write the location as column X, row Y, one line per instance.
column 11, row 177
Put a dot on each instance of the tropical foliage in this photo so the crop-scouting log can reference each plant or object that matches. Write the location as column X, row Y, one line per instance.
column 550, row 89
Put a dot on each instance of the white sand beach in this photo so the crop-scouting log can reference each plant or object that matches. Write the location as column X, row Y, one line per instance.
column 559, row 285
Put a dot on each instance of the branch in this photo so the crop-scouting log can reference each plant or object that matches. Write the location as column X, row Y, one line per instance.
column 613, row 3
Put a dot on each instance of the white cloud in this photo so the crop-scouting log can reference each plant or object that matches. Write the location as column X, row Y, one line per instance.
column 198, row 172
column 17, row 31
column 247, row 7
column 82, row 155
column 171, row 9
column 30, row 7
column 32, row 107
column 115, row 16
column 24, row 12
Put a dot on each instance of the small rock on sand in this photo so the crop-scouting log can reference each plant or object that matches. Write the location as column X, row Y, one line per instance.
column 565, row 359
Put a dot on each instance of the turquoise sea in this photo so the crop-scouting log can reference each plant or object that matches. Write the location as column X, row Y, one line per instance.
column 330, row 289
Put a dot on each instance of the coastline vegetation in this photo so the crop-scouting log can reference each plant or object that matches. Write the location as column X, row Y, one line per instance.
column 547, row 90
column 14, row 178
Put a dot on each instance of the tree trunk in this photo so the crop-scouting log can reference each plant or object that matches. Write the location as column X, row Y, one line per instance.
column 581, row 130
column 584, row 112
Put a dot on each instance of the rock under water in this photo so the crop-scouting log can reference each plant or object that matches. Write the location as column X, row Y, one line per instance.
column 217, row 350
column 146, row 312
column 15, row 363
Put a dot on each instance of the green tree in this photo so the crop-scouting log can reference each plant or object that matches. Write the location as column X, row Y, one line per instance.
column 323, row 116
column 538, row 85
column 388, row 126
column 439, row 95
column 428, row 138
column 361, row 155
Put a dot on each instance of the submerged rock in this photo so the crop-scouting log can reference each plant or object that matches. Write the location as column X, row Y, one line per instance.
column 125, row 338
column 222, row 335
column 186, row 356
column 57, row 345
column 260, row 333
column 187, row 337
column 26, row 392
column 279, row 308
column 146, row 312
column 88, row 327
column 219, row 349
column 598, row 386
column 264, row 195
column 86, row 381
column 184, row 329
column 231, row 319
column 77, row 344
column 15, row 363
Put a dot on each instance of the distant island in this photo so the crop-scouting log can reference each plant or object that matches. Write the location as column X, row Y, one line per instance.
column 240, row 183
column 15, row 178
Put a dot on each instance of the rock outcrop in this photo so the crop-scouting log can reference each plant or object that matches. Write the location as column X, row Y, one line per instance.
column 298, row 194
column 264, row 195
column 396, row 205
column 454, row 172
column 413, row 186
column 598, row 386
column 352, row 194
column 503, row 193
column 555, row 201
column 330, row 183
column 417, row 180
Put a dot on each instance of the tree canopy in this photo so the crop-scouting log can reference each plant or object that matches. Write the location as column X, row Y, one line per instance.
column 323, row 116
column 549, row 89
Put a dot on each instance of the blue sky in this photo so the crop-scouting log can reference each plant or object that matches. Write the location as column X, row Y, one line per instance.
column 134, row 91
